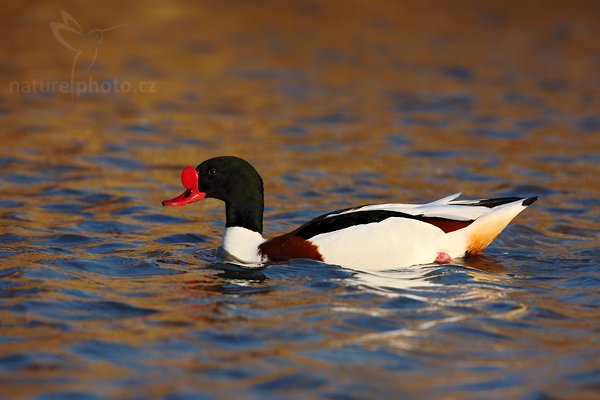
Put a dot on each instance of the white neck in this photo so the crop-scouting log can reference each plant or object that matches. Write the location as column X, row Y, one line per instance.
column 242, row 244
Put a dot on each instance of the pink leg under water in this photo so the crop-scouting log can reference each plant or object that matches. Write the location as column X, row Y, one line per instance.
column 442, row 258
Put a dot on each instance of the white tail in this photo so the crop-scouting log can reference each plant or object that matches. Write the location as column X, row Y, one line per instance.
column 485, row 228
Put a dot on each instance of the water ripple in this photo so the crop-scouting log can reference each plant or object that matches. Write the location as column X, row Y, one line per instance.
column 105, row 294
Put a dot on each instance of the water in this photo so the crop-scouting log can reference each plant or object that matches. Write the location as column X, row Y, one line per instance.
column 104, row 293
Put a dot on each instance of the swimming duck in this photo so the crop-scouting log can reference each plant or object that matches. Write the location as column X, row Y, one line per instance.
column 376, row 236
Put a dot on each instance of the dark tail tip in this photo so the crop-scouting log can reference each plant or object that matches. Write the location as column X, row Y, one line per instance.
column 530, row 200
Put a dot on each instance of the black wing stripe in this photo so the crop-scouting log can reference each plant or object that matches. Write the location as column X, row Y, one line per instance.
column 489, row 203
column 327, row 223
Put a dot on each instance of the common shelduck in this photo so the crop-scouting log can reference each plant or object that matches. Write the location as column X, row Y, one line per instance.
column 377, row 236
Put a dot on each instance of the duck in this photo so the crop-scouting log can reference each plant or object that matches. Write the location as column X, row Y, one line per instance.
column 366, row 237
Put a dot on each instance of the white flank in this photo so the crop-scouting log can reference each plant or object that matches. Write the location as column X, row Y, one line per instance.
column 391, row 243
column 242, row 244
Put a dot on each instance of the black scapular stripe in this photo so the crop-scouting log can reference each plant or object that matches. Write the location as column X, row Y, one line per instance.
column 489, row 203
column 329, row 223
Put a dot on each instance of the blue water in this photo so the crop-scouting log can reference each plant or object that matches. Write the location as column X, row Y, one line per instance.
column 106, row 294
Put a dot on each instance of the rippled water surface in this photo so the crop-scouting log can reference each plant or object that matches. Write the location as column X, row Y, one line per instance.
column 104, row 293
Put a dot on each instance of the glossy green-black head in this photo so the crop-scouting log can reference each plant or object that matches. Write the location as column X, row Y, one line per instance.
column 227, row 178
column 230, row 179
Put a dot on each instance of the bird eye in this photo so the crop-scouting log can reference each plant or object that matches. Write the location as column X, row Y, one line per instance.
column 212, row 172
